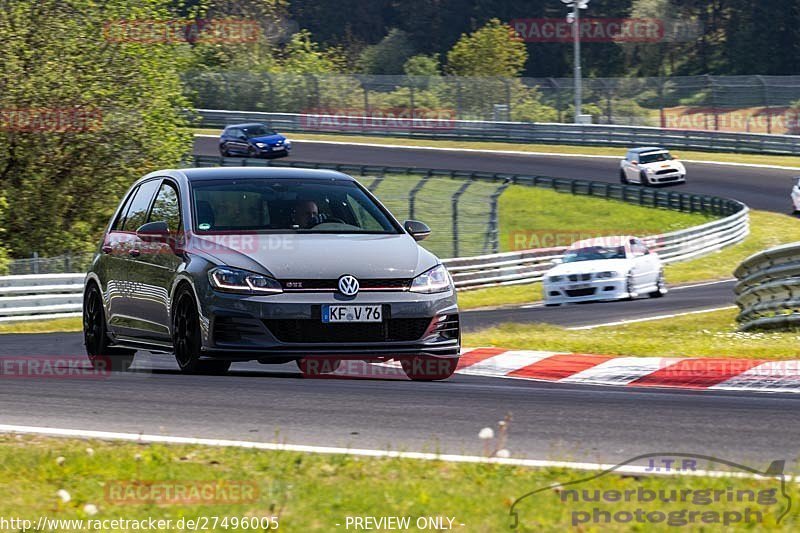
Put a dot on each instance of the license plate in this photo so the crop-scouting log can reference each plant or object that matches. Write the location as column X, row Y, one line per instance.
column 277, row 148
column 579, row 286
column 352, row 313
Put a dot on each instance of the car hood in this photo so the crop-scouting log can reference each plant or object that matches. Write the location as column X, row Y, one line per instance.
column 268, row 139
column 661, row 165
column 590, row 267
column 317, row 256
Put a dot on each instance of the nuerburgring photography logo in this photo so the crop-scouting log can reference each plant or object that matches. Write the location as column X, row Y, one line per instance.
column 663, row 489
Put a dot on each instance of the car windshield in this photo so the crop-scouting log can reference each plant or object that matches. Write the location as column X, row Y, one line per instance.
column 287, row 206
column 654, row 158
column 258, row 131
column 592, row 253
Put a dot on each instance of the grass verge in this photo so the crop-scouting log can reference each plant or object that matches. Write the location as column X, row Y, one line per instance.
column 308, row 492
column 53, row 325
column 710, row 334
column 757, row 159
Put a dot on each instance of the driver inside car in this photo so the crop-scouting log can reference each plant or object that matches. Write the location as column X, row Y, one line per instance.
column 305, row 214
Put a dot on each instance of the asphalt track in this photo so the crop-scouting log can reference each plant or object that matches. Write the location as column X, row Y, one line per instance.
column 550, row 421
column 759, row 188
column 274, row 404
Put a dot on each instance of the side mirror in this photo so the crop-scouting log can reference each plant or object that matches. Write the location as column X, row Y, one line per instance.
column 153, row 232
column 419, row 230
column 242, row 137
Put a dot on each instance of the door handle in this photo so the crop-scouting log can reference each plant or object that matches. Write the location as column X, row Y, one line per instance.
column 134, row 253
column 107, row 249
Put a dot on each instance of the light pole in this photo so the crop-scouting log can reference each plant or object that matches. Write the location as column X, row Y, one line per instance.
column 574, row 18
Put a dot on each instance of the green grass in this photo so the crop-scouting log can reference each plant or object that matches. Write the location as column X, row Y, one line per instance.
column 758, row 159
column 532, row 217
column 309, row 492
column 766, row 231
column 710, row 334
column 42, row 326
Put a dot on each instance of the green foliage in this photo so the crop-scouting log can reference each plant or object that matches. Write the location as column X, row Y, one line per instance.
column 3, row 251
column 493, row 50
column 63, row 178
column 388, row 56
column 422, row 65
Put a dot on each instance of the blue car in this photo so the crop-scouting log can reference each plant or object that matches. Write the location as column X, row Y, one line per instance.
column 253, row 140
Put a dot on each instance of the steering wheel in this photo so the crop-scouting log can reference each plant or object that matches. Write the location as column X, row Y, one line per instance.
column 329, row 220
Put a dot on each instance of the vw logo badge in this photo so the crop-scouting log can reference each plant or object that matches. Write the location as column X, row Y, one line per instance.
column 348, row 285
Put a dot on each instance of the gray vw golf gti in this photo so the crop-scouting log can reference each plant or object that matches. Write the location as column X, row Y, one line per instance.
column 275, row 265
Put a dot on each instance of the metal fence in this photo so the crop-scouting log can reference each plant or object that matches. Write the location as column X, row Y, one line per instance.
column 54, row 295
column 754, row 104
column 66, row 263
column 522, row 132
column 463, row 205
column 768, row 290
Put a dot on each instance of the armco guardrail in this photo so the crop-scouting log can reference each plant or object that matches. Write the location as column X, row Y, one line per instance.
column 768, row 290
column 25, row 297
column 531, row 265
column 40, row 296
column 523, row 132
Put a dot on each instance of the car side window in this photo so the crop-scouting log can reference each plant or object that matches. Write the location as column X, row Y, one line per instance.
column 638, row 248
column 120, row 220
column 166, row 207
column 137, row 213
column 235, row 133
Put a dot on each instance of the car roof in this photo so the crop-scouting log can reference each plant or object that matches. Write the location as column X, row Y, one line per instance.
column 223, row 173
column 647, row 149
column 247, row 125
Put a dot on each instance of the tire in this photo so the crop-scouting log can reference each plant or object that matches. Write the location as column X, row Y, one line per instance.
column 661, row 284
column 252, row 152
column 223, row 151
column 428, row 368
column 186, row 339
column 95, row 336
column 629, row 287
column 315, row 367
column 623, row 178
column 643, row 179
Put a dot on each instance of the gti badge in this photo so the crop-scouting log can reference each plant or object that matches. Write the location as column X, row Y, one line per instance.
column 348, row 285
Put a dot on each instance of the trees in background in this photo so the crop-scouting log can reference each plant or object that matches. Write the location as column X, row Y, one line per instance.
column 84, row 114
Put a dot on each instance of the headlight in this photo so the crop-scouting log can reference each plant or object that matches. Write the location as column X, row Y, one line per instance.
column 605, row 275
column 261, row 145
column 649, row 170
column 234, row 280
column 436, row 279
column 555, row 279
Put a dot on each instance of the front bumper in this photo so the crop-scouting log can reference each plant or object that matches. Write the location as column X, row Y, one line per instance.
column 289, row 325
column 674, row 176
column 585, row 291
column 274, row 151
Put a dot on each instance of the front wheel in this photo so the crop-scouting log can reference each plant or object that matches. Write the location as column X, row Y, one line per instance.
column 623, row 178
column 186, row 339
column 629, row 286
column 95, row 336
column 661, row 286
column 429, row 368
column 644, row 179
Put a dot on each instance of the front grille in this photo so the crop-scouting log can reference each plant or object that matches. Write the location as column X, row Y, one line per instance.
column 575, row 293
column 667, row 171
column 579, row 277
column 391, row 284
column 316, row 331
